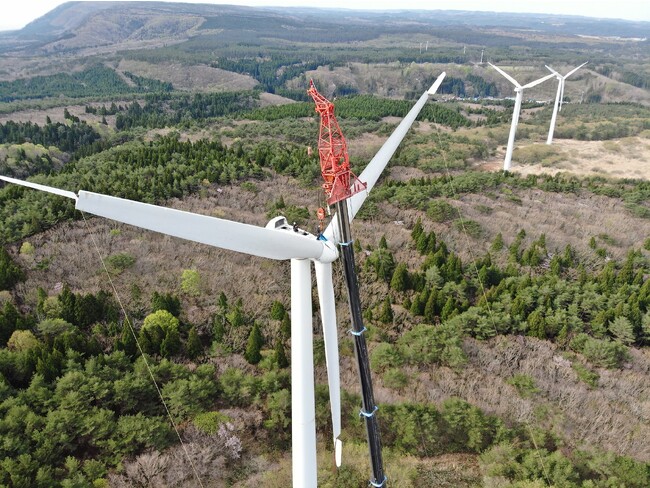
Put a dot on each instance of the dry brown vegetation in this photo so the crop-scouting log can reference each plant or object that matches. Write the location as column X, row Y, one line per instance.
column 195, row 78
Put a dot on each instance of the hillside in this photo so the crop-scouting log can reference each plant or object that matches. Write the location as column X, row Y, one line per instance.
column 508, row 314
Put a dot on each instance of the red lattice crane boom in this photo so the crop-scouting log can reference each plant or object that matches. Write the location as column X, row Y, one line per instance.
column 340, row 182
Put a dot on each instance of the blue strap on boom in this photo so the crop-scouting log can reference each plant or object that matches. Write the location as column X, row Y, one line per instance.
column 378, row 485
column 368, row 414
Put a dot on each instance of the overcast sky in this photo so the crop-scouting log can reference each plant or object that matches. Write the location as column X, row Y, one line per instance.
column 17, row 13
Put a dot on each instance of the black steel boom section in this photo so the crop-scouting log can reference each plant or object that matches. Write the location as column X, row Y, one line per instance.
column 369, row 409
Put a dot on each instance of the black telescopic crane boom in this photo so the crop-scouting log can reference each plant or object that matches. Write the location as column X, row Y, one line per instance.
column 369, row 408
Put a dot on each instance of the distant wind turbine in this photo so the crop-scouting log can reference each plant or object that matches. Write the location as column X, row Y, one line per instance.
column 519, row 90
column 280, row 241
column 559, row 98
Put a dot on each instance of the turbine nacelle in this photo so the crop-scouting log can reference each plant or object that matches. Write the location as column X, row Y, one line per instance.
column 330, row 252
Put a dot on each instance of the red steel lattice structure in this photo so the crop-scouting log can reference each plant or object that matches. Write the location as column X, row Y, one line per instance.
column 340, row 182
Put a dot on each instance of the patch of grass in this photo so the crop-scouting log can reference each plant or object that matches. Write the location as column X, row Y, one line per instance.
column 484, row 209
column 524, row 384
column 250, row 186
column 607, row 239
column 537, row 154
column 611, row 146
column 587, row 376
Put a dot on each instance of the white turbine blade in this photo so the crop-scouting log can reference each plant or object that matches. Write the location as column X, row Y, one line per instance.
column 378, row 163
column 537, row 82
column 506, row 76
column 36, row 186
column 436, row 84
column 574, row 70
column 558, row 75
column 225, row 234
column 328, row 317
column 561, row 93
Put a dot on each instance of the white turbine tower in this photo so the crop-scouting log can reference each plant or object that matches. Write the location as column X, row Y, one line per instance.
column 559, row 98
column 279, row 241
column 519, row 90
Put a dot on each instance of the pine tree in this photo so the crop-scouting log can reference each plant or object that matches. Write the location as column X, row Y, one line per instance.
column 417, row 230
column 497, row 244
column 126, row 342
column 67, row 300
column 10, row 320
column 171, row 344
column 622, row 330
column 449, row 309
column 277, row 310
column 431, row 307
column 254, row 347
column 219, row 328
column 386, row 314
column 285, row 327
column 536, row 324
column 400, row 279
column 193, row 346
column 281, row 355
column 10, row 273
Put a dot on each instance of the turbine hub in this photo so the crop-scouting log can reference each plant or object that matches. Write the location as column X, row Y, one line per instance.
column 330, row 252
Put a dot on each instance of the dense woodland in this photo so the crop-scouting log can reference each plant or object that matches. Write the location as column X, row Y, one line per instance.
column 78, row 407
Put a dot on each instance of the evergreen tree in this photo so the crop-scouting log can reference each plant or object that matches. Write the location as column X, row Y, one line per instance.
column 386, row 314
column 277, row 310
column 10, row 273
column 400, row 279
column 497, row 244
column 417, row 230
column 280, row 355
column 448, row 310
column 193, row 346
column 126, row 342
column 219, row 328
column 171, row 344
column 622, row 330
column 431, row 307
column 422, row 242
column 536, row 324
column 254, row 347
column 67, row 300
column 166, row 301
column 285, row 327
column 10, row 320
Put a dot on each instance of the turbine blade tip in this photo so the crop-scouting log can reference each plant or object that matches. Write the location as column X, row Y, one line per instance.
column 338, row 452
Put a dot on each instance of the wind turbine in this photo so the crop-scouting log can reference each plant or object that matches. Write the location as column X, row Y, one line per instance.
column 559, row 98
column 519, row 90
column 280, row 241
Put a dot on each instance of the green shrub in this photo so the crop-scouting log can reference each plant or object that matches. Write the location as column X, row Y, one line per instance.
column 191, row 282
column 590, row 378
column 524, row 384
column 600, row 352
column 117, row 263
column 441, row 211
column 209, row 422
column 470, row 227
